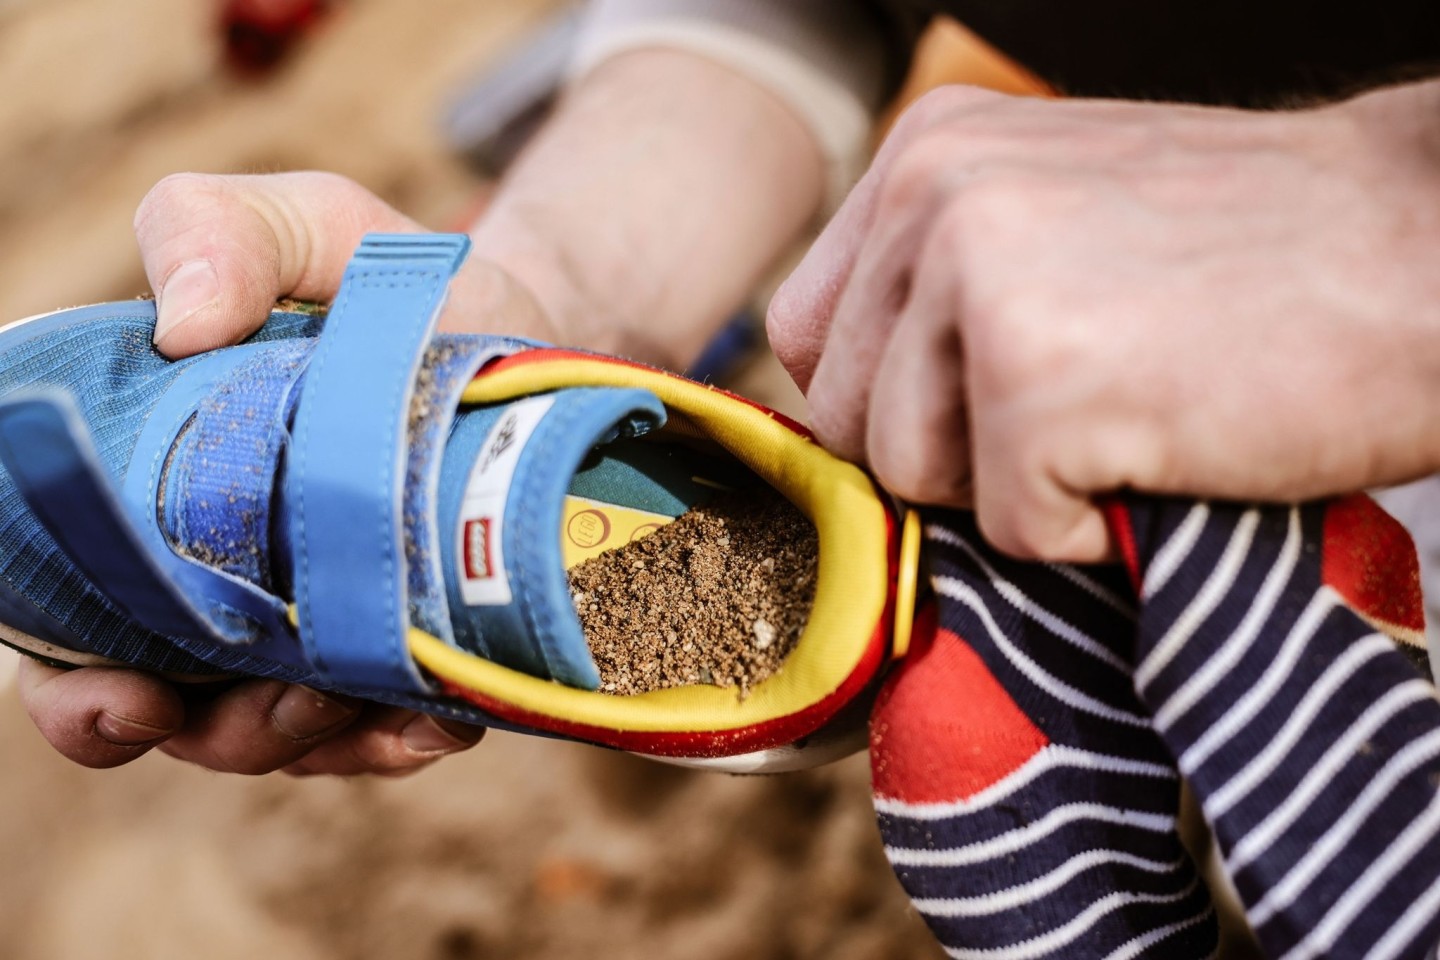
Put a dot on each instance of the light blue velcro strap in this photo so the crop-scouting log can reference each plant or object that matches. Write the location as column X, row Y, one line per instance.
column 346, row 478
column 236, row 610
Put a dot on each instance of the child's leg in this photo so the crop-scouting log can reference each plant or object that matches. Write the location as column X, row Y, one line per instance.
column 1025, row 802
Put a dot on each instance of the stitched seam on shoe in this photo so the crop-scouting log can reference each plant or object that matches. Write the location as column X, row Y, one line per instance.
column 390, row 654
column 302, row 582
column 157, row 465
column 538, row 614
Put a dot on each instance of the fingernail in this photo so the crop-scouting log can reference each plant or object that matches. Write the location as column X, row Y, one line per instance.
column 302, row 713
column 425, row 735
column 128, row 732
column 191, row 287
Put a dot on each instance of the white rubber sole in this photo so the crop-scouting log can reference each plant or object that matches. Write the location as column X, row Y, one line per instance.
column 64, row 656
column 37, row 316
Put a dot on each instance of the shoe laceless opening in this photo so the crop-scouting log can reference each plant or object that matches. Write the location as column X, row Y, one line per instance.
column 219, row 495
column 624, row 490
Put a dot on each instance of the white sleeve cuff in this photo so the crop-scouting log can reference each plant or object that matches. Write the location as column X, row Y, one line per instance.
column 824, row 59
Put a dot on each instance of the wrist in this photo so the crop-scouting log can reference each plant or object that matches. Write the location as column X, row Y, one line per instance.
column 486, row 298
column 509, row 243
column 577, row 311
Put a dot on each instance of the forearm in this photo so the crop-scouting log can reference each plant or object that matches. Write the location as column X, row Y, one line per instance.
column 652, row 202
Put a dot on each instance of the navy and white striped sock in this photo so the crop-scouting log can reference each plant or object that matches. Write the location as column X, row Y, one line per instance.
column 1025, row 802
column 1027, row 796
column 1311, row 739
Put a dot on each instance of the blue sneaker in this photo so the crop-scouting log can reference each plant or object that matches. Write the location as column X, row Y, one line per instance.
column 351, row 502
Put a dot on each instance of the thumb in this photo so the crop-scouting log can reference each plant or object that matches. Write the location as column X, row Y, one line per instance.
column 220, row 250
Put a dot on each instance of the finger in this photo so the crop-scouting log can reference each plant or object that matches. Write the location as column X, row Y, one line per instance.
column 876, row 293
column 1022, row 506
column 798, row 320
column 219, row 250
column 259, row 726
column 486, row 299
column 388, row 741
column 917, row 431
column 800, row 314
column 97, row 716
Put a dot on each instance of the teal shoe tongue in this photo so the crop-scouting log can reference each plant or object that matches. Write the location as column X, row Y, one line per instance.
column 507, row 472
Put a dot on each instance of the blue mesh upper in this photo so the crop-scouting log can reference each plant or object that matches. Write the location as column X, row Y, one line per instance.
column 220, row 479
column 108, row 363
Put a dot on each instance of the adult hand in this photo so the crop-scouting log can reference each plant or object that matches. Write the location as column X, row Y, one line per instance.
column 1026, row 304
column 219, row 251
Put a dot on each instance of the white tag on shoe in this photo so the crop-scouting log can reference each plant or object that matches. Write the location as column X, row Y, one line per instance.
column 480, row 534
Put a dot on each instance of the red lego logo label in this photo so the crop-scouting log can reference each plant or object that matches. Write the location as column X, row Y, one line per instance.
column 478, row 565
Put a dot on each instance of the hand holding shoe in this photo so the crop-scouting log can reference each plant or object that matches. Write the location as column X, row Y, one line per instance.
column 219, row 251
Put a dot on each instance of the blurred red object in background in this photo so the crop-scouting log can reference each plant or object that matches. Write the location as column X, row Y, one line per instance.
column 259, row 34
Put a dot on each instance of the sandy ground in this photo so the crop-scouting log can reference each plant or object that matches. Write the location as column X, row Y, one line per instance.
column 522, row 849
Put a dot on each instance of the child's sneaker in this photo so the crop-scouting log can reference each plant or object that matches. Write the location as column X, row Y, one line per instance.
column 351, row 503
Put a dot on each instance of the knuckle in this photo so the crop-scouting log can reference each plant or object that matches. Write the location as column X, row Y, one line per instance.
column 349, row 192
column 998, row 203
column 1020, row 211
column 1006, row 354
column 346, row 199
column 1034, row 515
column 1025, row 342
column 1076, row 538
column 176, row 192
column 943, row 101
column 183, row 185
column 918, row 172
column 313, row 235
column 907, row 480
column 839, row 438
column 789, row 323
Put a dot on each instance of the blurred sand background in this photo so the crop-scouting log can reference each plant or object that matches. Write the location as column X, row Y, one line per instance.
column 522, row 849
